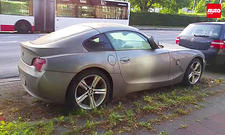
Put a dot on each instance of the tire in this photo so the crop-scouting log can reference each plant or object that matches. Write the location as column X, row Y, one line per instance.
column 23, row 26
column 82, row 90
column 193, row 72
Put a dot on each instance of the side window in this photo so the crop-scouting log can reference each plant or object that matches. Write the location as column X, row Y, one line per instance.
column 126, row 40
column 97, row 43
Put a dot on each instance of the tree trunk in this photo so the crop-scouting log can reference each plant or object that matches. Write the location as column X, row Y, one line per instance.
column 144, row 8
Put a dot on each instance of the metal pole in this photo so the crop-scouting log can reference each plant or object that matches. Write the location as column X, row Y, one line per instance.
column 45, row 2
column 193, row 8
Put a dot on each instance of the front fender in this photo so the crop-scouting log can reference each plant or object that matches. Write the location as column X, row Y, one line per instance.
column 180, row 61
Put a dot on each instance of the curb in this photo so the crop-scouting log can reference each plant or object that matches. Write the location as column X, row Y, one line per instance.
column 8, row 32
column 8, row 80
column 15, row 32
column 157, row 28
column 163, row 29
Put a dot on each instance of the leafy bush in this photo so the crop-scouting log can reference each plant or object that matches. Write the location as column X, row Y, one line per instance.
column 223, row 9
column 24, row 128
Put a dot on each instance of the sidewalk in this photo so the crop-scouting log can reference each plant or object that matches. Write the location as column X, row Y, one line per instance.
column 209, row 120
column 8, row 80
column 164, row 28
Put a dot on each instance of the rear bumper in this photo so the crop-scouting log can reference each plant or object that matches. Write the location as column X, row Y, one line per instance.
column 46, row 85
column 212, row 56
column 219, row 59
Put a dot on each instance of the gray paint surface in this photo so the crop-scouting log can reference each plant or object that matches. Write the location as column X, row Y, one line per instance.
column 66, row 57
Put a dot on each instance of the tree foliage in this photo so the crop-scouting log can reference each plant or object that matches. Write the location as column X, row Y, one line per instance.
column 144, row 5
column 201, row 6
column 223, row 9
column 170, row 6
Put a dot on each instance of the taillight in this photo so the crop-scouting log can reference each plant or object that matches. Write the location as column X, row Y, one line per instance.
column 178, row 40
column 38, row 63
column 217, row 44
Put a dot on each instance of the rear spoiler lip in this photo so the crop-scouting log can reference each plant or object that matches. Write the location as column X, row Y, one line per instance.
column 41, row 50
column 27, row 45
column 35, row 48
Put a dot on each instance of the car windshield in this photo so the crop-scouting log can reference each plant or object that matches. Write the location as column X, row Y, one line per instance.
column 202, row 30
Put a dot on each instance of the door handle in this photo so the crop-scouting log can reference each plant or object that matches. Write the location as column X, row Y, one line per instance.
column 125, row 59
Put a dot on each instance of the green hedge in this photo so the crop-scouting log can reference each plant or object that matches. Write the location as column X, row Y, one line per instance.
column 156, row 19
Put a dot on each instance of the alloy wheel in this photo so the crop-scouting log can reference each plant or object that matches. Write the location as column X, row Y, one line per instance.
column 195, row 72
column 90, row 92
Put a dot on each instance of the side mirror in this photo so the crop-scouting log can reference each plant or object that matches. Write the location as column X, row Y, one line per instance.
column 154, row 44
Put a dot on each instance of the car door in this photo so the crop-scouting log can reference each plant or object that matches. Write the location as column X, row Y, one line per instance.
column 141, row 66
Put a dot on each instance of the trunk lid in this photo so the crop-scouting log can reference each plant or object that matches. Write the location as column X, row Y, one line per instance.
column 30, row 51
column 198, row 43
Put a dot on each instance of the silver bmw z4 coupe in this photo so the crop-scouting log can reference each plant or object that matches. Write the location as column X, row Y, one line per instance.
column 87, row 65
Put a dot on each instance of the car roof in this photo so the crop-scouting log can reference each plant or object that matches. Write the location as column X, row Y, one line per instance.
column 81, row 28
column 220, row 23
column 104, row 27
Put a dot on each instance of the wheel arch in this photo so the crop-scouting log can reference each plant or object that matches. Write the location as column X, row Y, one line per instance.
column 195, row 57
column 203, row 66
column 201, row 60
column 93, row 68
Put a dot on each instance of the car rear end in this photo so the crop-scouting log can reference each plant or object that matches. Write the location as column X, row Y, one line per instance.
column 207, row 38
column 36, row 77
column 42, row 63
column 31, row 69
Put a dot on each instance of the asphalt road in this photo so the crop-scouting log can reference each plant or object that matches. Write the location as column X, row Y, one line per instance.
column 10, row 48
column 10, row 52
column 163, row 35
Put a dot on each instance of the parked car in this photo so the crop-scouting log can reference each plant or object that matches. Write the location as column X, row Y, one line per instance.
column 207, row 37
column 88, row 64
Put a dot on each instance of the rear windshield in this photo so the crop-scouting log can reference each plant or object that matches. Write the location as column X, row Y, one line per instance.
column 60, row 34
column 202, row 30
